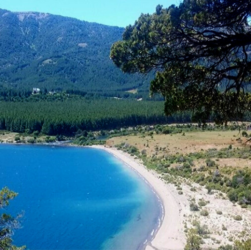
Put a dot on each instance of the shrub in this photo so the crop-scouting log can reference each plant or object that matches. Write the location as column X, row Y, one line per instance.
column 143, row 152
column 133, row 150
column 31, row 140
column 186, row 165
column 209, row 189
column 244, row 206
column 243, row 245
column 181, row 159
column 227, row 247
column 201, row 230
column 194, row 206
column 233, row 195
column 17, row 139
column 244, row 134
column 204, row 212
column 237, row 217
column 36, row 133
column 210, row 163
column 167, row 131
column 193, row 241
column 49, row 139
column 202, row 203
column 201, row 168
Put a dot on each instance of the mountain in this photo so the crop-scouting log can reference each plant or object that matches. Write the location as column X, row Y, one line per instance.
column 54, row 52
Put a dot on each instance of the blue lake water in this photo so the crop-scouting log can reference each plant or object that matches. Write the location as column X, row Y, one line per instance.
column 76, row 198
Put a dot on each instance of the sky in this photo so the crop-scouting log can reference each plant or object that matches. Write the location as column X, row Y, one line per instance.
column 110, row 12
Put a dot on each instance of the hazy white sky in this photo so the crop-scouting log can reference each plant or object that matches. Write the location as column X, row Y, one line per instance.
column 110, row 12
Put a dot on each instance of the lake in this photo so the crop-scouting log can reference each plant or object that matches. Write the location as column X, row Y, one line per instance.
column 77, row 198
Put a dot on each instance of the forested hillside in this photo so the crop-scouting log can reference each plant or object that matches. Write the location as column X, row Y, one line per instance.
column 54, row 52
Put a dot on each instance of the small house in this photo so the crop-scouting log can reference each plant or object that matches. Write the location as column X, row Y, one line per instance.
column 35, row 91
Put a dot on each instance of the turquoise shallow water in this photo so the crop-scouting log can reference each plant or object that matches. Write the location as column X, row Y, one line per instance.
column 77, row 198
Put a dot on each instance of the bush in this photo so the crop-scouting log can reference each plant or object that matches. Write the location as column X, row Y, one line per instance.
column 167, row 131
column 194, row 206
column 209, row 189
column 143, row 152
column 186, row 165
column 201, row 230
column 36, row 133
column 17, row 139
column 204, row 212
column 243, row 245
column 227, row 247
column 233, row 195
column 31, row 140
column 202, row 203
column 244, row 134
column 238, row 217
column 193, row 241
column 133, row 150
column 201, row 168
column 49, row 139
column 210, row 163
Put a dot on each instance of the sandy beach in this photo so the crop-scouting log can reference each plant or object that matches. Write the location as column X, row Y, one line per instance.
column 178, row 218
column 170, row 235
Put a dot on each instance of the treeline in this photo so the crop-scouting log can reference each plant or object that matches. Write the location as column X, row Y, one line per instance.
column 7, row 94
column 69, row 116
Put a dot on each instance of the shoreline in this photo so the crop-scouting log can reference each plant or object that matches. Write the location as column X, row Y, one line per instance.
column 178, row 218
column 169, row 234
column 223, row 229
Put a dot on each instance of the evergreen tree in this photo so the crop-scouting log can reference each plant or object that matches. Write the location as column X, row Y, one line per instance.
column 7, row 222
column 200, row 51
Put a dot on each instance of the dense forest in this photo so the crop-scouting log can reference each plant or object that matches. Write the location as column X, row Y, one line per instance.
column 66, row 116
column 71, row 111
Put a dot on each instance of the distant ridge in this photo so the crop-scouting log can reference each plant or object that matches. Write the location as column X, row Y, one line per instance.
column 55, row 52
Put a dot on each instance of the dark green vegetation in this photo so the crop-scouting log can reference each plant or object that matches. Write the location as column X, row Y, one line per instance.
column 195, row 240
column 65, row 114
column 246, row 245
column 7, row 222
column 200, row 51
column 60, row 53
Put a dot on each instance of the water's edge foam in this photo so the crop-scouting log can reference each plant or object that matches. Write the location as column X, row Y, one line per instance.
column 161, row 213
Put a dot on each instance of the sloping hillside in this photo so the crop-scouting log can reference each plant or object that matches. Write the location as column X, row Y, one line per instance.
column 55, row 52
